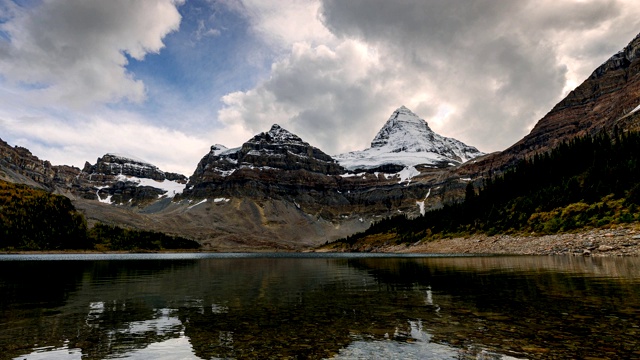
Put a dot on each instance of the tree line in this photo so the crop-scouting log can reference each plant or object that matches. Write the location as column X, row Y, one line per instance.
column 33, row 219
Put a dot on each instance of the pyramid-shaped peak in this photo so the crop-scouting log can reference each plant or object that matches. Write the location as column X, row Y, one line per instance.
column 406, row 140
column 402, row 124
column 404, row 114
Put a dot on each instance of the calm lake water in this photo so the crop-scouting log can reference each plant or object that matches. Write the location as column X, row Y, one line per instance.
column 256, row 306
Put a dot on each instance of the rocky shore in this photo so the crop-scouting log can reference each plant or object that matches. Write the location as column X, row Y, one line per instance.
column 619, row 241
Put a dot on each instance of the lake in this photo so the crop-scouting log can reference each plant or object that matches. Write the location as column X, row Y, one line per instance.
column 310, row 306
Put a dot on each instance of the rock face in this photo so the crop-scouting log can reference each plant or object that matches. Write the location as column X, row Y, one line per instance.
column 18, row 164
column 609, row 98
column 112, row 164
column 267, row 157
column 275, row 149
column 406, row 140
column 119, row 179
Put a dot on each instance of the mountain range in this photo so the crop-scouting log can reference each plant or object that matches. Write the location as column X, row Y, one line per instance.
column 278, row 192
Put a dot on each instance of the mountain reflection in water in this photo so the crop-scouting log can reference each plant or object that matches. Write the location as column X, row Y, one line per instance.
column 245, row 307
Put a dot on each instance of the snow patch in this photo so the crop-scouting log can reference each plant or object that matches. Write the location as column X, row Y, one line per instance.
column 201, row 202
column 351, row 175
column 171, row 187
column 635, row 110
column 218, row 200
column 105, row 201
column 421, row 203
column 407, row 174
column 218, row 149
column 225, row 172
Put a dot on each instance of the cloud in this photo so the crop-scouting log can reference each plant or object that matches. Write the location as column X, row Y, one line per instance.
column 281, row 24
column 482, row 71
column 62, row 141
column 317, row 92
column 74, row 52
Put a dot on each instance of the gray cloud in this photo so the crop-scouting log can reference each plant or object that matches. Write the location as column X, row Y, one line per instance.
column 499, row 64
column 483, row 71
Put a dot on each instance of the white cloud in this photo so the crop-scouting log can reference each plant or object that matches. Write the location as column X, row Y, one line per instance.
column 327, row 96
column 283, row 23
column 72, row 52
column 62, row 141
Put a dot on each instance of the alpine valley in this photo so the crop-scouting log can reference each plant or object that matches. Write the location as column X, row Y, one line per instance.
column 277, row 192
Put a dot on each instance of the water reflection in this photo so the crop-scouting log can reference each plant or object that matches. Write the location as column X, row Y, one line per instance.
column 261, row 307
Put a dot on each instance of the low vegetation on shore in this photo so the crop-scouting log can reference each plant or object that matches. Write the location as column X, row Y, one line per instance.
column 36, row 220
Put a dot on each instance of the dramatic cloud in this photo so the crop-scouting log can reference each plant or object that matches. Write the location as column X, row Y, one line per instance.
column 165, row 79
column 482, row 71
column 75, row 52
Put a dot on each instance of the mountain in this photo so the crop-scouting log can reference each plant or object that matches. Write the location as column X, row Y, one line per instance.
column 277, row 191
column 406, row 140
column 589, row 180
column 19, row 165
column 275, row 149
column 121, row 179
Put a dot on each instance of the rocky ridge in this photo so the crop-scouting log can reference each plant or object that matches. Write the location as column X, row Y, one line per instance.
column 18, row 164
column 120, row 179
column 275, row 191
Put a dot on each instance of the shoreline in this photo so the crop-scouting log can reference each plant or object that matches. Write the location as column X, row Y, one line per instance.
column 619, row 241
column 622, row 240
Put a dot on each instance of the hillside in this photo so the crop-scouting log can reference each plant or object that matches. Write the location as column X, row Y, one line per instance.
column 587, row 182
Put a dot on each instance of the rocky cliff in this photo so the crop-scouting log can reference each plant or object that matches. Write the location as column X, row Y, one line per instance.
column 18, row 164
column 120, row 179
column 279, row 165
column 608, row 99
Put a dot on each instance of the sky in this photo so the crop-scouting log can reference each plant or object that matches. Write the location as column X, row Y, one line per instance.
column 163, row 80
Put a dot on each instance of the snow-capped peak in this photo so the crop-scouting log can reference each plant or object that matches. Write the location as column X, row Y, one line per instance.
column 404, row 131
column 406, row 140
column 218, row 149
